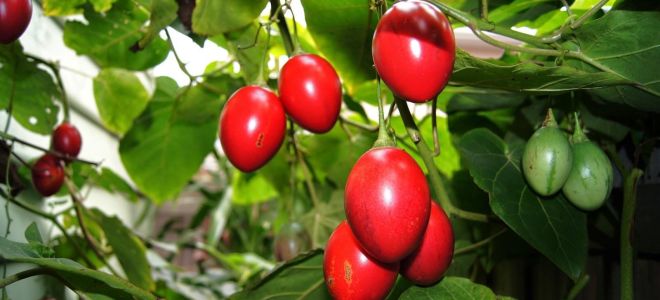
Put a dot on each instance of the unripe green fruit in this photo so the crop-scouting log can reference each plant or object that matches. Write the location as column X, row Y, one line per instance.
column 547, row 159
column 590, row 181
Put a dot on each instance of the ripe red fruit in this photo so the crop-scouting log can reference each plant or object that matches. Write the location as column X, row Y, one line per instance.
column 67, row 140
column 413, row 50
column 310, row 91
column 252, row 127
column 427, row 264
column 47, row 175
column 14, row 19
column 387, row 203
column 351, row 274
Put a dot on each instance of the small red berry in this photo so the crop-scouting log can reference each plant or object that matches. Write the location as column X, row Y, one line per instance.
column 67, row 140
column 48, row 175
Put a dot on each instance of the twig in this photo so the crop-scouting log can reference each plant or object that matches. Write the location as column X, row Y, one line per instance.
column 9, row 137
column 480, row 244
column 22, row 275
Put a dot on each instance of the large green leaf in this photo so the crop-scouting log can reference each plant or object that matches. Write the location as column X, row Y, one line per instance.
column 528, row 76
column 27, row 91
column 164, row 148
column 212, row 17
column 551, row 225
column 120, row 98
column 73, row 274
column 342, row 30
column 624, row 43
column 129, row 250
column 300, row 278
column 163, row 12
column 108, row 37
column 450, row 288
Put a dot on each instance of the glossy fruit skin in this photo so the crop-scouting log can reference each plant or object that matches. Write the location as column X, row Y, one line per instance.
column 590, row 181
column 387, row 203
column 252, row 127
column 292, row 240
column 310, row 91
column 350, row 273
column 66, row 140
column 426, row 265
column 47, row 175
column 413, row 50
column 15, row 17
column 547, row 160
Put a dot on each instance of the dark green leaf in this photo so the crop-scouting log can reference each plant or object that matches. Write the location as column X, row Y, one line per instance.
column 212, row 17
column 163, row 12
column 129, row 250
column 450, row 288
column 29, row 90
column 120, row 98
column 622, row 43
column 164, row 148
column 551, row 225
column 342, row 30
column 111, row 182
column 528, row 76
column 467, row 99
column 12, row 249
column 299, row 278
column 107, row 38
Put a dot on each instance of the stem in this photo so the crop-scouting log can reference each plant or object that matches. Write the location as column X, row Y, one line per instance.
column 578, row 287
column 483, row 4
column 427, row 156
column 627, row 251
column 77, row 204
column 12, row 138
column 182, row 66
column 434, row 126
column 275, row 11
column 22, row 275
column 474, row 23
column 479, row 244
column 383, row 139
column 594, row 9
column 359, row 125
column 306, row 173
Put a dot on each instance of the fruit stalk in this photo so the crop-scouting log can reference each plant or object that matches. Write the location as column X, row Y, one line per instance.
column 276, row 11
column 22, row 275
column 627, row 251
column 427, row 156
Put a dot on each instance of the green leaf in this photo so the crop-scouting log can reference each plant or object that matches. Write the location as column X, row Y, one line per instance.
column 62, row 7
column 248, row 51
column 107, row 37
column 513, row 10
column 251, row 188
column 450, row 288
column 342, row 30
column 299, row 278
column 27, row 91
column 469, row 99
column 164, row 148
column 102, row 5
column 120, row 98
column 32, row 234
column 163, row 12
column 212, row 17
column 75, row 275
column 129, row 250
column 551, row 225
column 528, row 76
column 322, row 220
column 622, row 42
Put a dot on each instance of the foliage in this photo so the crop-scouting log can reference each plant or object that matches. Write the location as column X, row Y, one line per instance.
column 597, row 62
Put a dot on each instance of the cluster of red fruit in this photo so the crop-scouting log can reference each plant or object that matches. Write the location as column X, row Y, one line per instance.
column 48, row 171
column 392, row 224
column 15, row 16
column 253, row 121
